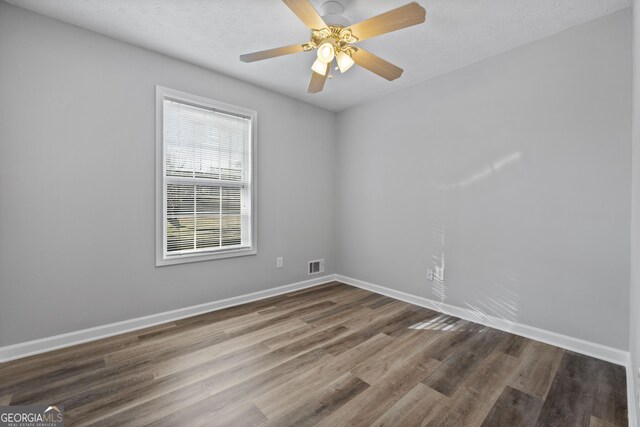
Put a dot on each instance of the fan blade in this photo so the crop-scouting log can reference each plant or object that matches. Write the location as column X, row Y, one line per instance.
column 307, row 13
column 271, row 53
column 396, row 19
column 376, row 64
column 317, row 81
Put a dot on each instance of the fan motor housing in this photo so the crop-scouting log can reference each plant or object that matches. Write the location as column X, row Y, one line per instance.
column 332, row 14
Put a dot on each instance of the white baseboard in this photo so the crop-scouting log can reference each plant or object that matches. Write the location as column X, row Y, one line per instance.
column 29, row 348
column 588, row 348
column 599, row 351
column 632, row 403
column 55, row 342
column 620, row 357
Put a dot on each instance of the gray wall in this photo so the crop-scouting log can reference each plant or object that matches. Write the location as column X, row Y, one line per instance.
column 634, row 332
column 523, row 160
column 77, row 182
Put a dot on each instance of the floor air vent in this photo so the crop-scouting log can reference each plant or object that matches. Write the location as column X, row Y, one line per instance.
column 316, row 266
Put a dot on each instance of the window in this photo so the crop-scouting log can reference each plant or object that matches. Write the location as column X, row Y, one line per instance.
column 204, row 177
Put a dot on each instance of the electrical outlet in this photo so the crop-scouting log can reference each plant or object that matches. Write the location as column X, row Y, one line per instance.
column 279, row 262
column 430, row 274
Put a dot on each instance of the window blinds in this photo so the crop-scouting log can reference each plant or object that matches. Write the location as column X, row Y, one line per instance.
column 206, row 179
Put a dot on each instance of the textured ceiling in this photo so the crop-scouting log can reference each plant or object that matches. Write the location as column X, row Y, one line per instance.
column 213, row 33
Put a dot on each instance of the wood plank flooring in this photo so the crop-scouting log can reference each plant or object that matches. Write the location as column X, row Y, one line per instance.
column 332, row 355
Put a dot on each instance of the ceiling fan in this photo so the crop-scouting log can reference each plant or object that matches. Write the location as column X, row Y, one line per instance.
column 336, row 41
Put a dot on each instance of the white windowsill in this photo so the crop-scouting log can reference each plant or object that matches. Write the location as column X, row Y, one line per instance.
column 206, row 256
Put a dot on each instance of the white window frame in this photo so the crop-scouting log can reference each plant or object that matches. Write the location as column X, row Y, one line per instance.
column 162, row 258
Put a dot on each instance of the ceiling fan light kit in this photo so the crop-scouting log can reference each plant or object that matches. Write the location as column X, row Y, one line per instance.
column 344, row 61
column 334, row 40
column 319, row 67
column 326, row 52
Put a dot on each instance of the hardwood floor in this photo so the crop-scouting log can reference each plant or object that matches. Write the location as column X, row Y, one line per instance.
column 331, row 355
